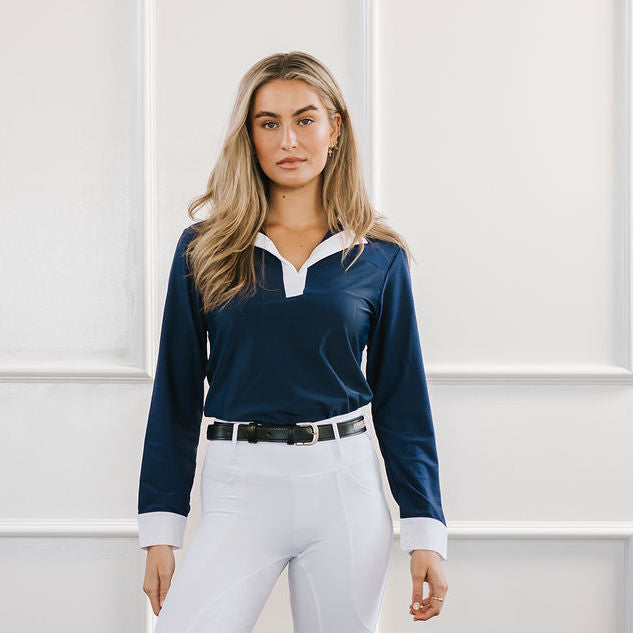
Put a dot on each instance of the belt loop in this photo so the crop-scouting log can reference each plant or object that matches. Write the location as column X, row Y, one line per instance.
column 338, row 440
column 369, row 427
column 236, row 426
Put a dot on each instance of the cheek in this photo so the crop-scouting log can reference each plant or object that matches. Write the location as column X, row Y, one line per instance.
column 319, row 136
column 261, row 143
column 263, row 140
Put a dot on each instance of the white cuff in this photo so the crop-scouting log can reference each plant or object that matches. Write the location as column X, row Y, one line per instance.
column 424, row 533
column 161, row 528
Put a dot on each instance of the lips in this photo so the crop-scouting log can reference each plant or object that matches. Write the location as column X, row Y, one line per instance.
column 291, row 161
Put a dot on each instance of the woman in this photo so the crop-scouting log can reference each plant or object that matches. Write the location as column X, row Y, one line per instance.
column 289, row 278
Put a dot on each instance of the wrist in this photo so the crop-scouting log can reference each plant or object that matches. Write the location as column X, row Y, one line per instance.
column 425, row 552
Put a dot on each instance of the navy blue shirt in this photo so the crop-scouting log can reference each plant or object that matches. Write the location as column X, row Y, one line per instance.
column 315, row 323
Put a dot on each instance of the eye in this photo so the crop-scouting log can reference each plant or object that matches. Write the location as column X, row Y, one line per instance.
column 265, row 124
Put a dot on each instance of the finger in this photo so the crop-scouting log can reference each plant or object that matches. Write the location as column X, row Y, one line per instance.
column 437, row 588
column 151, row 588
column 426, row 611
column 417, row 597
column 430, row 605
column 427, row 615
column 434, row 606
column 428, row 608
column 423, row 609
column 423, row 606
column 420, row 604
column 165, row 581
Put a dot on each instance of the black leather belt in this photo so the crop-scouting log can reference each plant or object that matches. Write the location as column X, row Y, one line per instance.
column 299, row 434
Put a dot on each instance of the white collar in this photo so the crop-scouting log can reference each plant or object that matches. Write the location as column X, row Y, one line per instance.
column 294, row 280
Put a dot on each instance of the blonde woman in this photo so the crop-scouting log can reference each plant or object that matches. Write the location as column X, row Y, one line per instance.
column 289, row 278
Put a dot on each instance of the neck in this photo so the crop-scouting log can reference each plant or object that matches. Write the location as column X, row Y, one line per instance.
column 296, row 208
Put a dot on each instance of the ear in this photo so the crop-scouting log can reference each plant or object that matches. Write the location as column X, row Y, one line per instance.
column 336, row 128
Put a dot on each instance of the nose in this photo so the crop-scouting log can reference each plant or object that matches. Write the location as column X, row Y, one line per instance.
column 288, row 140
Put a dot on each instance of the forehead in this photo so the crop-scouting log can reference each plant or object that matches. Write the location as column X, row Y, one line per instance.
column 285, row 96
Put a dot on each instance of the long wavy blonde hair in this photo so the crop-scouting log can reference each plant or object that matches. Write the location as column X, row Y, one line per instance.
column 221, row 254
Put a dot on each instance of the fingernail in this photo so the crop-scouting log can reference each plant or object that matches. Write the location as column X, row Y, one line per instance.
column 416, row 605
column 161, row 603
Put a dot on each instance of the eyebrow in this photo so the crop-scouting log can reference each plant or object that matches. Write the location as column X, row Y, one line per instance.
column 263, row 113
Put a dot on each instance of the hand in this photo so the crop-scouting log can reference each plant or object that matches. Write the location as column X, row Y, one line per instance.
column 159, row 568
column 426, row 565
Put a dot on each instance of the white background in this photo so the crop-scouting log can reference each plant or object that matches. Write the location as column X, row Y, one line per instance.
column 495, row 137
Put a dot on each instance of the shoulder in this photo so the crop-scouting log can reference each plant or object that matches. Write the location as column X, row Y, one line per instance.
column 180, row 259
column 189, row 232
column 186, row 236
column 384, row 253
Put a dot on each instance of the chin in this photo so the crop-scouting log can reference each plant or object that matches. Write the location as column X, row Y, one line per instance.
column 292, row 179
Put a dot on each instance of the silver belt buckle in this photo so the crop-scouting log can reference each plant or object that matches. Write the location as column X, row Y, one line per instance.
column 315, row 433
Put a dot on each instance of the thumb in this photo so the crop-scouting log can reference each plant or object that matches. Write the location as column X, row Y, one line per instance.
column 436, row 584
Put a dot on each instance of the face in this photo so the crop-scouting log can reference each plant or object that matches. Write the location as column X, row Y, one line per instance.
column 288, row 120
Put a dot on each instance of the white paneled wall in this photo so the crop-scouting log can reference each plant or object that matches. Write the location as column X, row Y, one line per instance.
column 72, row 187
column 70, row 584
column 507, row 119
column 495, row 137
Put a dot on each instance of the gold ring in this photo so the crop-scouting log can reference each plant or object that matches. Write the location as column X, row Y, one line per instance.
column 436, row 598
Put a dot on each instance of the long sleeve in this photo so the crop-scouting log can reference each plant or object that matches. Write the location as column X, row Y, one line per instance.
column 401, row 413
column 173, row 427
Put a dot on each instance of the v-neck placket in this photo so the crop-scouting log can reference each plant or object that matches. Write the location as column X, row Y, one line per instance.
column 295, row 280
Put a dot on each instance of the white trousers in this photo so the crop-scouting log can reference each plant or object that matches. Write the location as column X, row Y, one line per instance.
column 319, row 509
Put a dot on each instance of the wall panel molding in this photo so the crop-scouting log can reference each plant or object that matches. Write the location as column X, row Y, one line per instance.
column 462, row 530
column 100, row 372
column 546, row 373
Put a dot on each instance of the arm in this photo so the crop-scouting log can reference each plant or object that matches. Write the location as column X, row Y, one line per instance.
column 402, row 413
column 173, row 426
